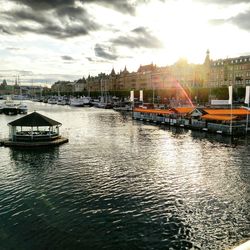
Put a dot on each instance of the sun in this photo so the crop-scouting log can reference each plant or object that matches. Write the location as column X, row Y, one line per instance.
column 183, row 28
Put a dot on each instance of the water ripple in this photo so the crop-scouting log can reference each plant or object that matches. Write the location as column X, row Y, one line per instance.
column 120, row 184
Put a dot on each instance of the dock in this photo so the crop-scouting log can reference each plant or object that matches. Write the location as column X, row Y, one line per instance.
column 29, row 144
column 220, row 121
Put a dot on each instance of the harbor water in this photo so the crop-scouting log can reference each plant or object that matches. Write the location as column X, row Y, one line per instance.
column 123, row 184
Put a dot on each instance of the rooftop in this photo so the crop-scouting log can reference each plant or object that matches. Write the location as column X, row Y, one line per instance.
column 33, row 120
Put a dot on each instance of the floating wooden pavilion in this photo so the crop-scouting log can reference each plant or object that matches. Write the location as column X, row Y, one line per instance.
column 34, row 130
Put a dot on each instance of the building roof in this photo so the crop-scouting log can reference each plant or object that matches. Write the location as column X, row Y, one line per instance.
column 153, row 111
column 34, row 120
column 227, row 111
column 219, row 117
column 183, row 110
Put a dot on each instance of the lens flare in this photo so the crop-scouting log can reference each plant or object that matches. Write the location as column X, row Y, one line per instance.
column 183, row 91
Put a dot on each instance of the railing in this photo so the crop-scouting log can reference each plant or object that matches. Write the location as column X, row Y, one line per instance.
column 35, row 136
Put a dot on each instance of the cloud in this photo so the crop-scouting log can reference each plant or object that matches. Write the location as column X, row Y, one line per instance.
column 223, row 2
column 14, row 48
column 121, row 6
column 67, row 58
column 140, row 37
column 58, row 18
column 4, row 29
column 242, row 20
column 90, row 59
column 65, row 21
column 124, row 6
column 104, row 52
column 217, row 21
column 42, row 5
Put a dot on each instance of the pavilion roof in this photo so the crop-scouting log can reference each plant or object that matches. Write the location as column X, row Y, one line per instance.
column 34, row 120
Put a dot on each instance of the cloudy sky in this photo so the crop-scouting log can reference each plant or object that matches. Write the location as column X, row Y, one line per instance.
column 46, row 40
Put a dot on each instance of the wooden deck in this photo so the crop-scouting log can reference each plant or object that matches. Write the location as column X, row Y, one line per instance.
column 56, row 142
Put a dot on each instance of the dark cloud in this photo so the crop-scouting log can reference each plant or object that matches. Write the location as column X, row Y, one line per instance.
column 242, row 20
column 64, row 22
column 104, row 52
column 140, row 37
column 41, row 5
column 25, row 15
column 124, row 6
column 59, row 18
column 67, row 58
column 5, row 29
column 53, row 30
column 90, row 59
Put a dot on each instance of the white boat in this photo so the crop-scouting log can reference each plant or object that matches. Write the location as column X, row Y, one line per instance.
column 23, row 109
column 79, row 102
column 61, row 101
column 52, row 100
column 10, row 107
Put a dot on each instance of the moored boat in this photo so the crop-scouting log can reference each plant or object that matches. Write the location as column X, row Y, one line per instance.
column 61, row 101
column 80, row 102
column 52, row 100
column 10, row 107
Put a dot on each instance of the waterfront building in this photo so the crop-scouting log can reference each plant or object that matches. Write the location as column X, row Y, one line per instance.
column 223, row 121
column 168, row 80
column 79, row 85
column 63, row 87
column 230, row 71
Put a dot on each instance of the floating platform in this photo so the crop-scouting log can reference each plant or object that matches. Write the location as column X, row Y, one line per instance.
column 56, row 142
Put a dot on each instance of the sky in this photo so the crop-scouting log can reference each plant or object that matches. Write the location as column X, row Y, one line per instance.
column 43, row 41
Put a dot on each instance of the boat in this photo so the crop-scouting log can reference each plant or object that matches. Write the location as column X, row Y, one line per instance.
column 61, row 101
column 123, row 106
column 10, row 107
column 23, row 109
column 104, row 105
column 52, row 100
column 80, row 102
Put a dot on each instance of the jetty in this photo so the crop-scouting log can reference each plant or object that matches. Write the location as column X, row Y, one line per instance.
column 34, row 130
column 221, row 121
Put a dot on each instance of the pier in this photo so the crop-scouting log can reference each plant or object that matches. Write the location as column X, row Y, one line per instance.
column 22, row 144
column 220, row 121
